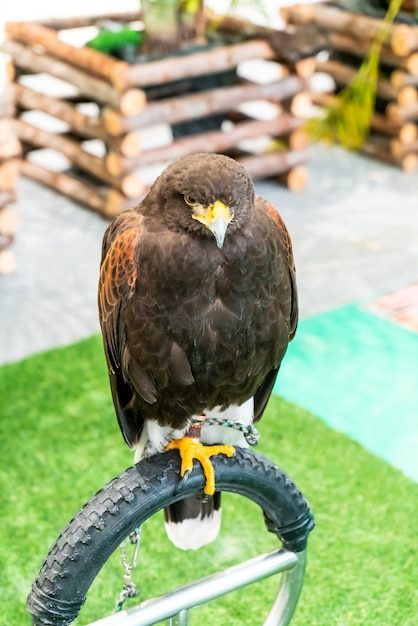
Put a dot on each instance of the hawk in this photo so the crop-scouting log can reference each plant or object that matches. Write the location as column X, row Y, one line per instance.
column 197, row 305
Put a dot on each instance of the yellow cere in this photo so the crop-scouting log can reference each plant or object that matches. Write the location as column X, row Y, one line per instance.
column 207, row 215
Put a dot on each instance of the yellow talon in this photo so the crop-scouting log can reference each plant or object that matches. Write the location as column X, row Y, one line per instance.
column 190, row 448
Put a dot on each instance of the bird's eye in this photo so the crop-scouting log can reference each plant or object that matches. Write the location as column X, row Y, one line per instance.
column 190, row 200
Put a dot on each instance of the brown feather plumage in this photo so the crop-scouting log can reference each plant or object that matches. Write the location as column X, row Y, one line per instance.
column 188, row 326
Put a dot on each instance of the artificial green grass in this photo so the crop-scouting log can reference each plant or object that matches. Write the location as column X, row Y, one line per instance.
column 59, row 443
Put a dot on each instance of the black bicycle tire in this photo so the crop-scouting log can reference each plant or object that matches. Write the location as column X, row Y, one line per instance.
column 136, row 494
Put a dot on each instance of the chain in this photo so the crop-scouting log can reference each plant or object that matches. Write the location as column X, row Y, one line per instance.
column 129, row 589
column 250, row 432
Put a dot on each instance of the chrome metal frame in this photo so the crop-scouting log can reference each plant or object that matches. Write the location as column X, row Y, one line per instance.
column 174, row 606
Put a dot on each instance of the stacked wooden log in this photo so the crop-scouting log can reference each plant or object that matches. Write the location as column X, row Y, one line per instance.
column 348, row 37
column 132, row 102
column 10, row 151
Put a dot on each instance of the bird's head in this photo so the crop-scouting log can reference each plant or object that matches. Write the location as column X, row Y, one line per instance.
column 206, row 194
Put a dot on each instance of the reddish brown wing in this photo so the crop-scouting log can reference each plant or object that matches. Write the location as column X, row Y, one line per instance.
column 118, row 274
column 278, row 227
column 287, row 250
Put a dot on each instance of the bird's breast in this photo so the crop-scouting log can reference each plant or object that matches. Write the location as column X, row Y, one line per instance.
column 213, row 303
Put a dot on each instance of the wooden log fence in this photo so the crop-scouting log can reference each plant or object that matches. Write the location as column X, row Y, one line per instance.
column 360, row 49
column 359, row 27
column 81, row 21
column 85, row 58
column 215, row 141
column 128, row 102
column 194, row 64
column 28, row 99
column 405, row 132
column 380, row 148
column 344, row 74
column 348, row 37
column 104, row 200
column 274, row 164
column 130, row 99
column 400, row 114
column 200, row 105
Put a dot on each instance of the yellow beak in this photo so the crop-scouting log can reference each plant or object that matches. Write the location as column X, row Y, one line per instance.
column 216, row 218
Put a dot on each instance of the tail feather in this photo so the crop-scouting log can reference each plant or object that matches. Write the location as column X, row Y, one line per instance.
column 191, row 523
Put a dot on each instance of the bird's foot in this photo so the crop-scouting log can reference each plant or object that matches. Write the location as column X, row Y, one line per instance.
column 190, row 448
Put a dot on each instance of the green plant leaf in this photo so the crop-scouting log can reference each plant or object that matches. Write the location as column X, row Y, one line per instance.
column 347, row 121
column 106, row 41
